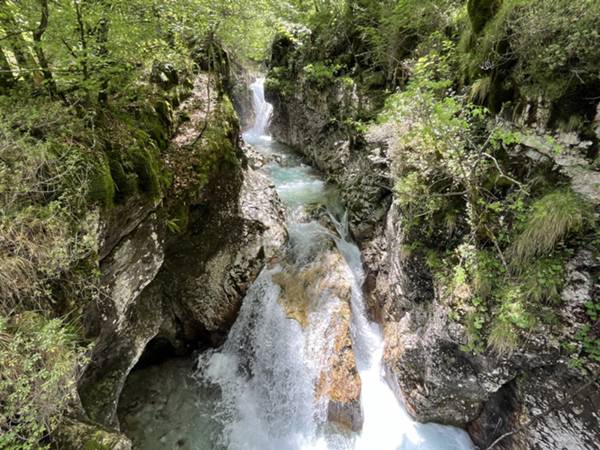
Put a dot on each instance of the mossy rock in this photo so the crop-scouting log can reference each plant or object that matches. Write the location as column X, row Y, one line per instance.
column 283, row 45
column 155, row 126
column 125, row 181
column 75, row 435
column 101, row 186
column 481, row 12
column 146, row 166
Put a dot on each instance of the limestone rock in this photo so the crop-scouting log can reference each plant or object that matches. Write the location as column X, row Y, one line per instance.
column 124, row 321
column 183, row 288
column 565, row 406
column 303, row 291
column 440, row 382
column 230, row 237
column 303, row 121
column 585, row 180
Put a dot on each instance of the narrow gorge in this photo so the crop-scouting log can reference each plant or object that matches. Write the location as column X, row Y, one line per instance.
column 300, row 225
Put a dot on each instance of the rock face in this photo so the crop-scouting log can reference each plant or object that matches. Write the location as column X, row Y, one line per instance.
column 440, row 382
column 182, row 285
column 229, row 239
column 340, row 383
column 540, row 403
column 125, row 319
column 303, row 293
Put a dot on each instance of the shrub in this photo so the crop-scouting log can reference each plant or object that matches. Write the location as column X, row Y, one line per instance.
column 321, row 75
column 39, row 359
column 44, row 174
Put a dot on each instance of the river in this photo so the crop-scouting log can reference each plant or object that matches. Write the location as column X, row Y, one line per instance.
column 258, row 391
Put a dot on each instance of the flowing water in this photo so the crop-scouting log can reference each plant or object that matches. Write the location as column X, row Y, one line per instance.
column 259, row 390
column 268, row 367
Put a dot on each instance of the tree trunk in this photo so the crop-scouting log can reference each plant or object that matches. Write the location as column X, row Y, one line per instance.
column 39, row 51
column 102, row 40
column 82, row 39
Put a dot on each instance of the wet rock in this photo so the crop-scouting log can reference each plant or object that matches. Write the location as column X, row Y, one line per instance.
column 547, row 408
column 241, row 94
column 340, row 381
column 438, row 381
column 303, row 291
column 230, row 237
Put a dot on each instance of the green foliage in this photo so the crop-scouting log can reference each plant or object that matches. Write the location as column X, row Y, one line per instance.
column 552, row 218
column 39, row 359
column 505, row 273
column 319, row 74
column 586, row 346
column 481, row 11
column 102, row 186
column 537, row 47
column 45, row 170
column 400, row 28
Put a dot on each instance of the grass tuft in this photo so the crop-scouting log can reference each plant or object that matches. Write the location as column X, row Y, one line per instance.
column 552, row 218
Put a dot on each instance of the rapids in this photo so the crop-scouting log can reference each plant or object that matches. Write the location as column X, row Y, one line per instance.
column 268, row 367
column 259, row 390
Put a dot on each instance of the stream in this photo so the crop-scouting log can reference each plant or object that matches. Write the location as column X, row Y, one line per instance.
column 259, row 390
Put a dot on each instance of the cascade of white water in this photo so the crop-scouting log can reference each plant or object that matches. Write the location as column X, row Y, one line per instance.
column 262, row 109
column 269, row 365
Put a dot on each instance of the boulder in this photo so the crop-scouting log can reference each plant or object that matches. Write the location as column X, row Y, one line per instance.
column 76, row 435
column 326, row 283
column 546, row 408
column 231, row 235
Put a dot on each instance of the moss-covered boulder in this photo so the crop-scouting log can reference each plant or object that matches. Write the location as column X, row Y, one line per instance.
column 77, row 435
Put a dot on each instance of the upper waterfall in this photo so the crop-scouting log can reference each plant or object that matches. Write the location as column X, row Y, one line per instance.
column 262, row 109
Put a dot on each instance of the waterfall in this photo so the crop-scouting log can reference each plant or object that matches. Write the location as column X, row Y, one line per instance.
column 262, row 109
column 268, row 367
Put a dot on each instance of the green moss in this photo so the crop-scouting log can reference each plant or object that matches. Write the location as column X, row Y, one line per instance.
column 481, row 11
column 125, row 182
column 101, row 186
column 146, row 166
column 156, row 123
column 280, row 80
column 97, row 442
